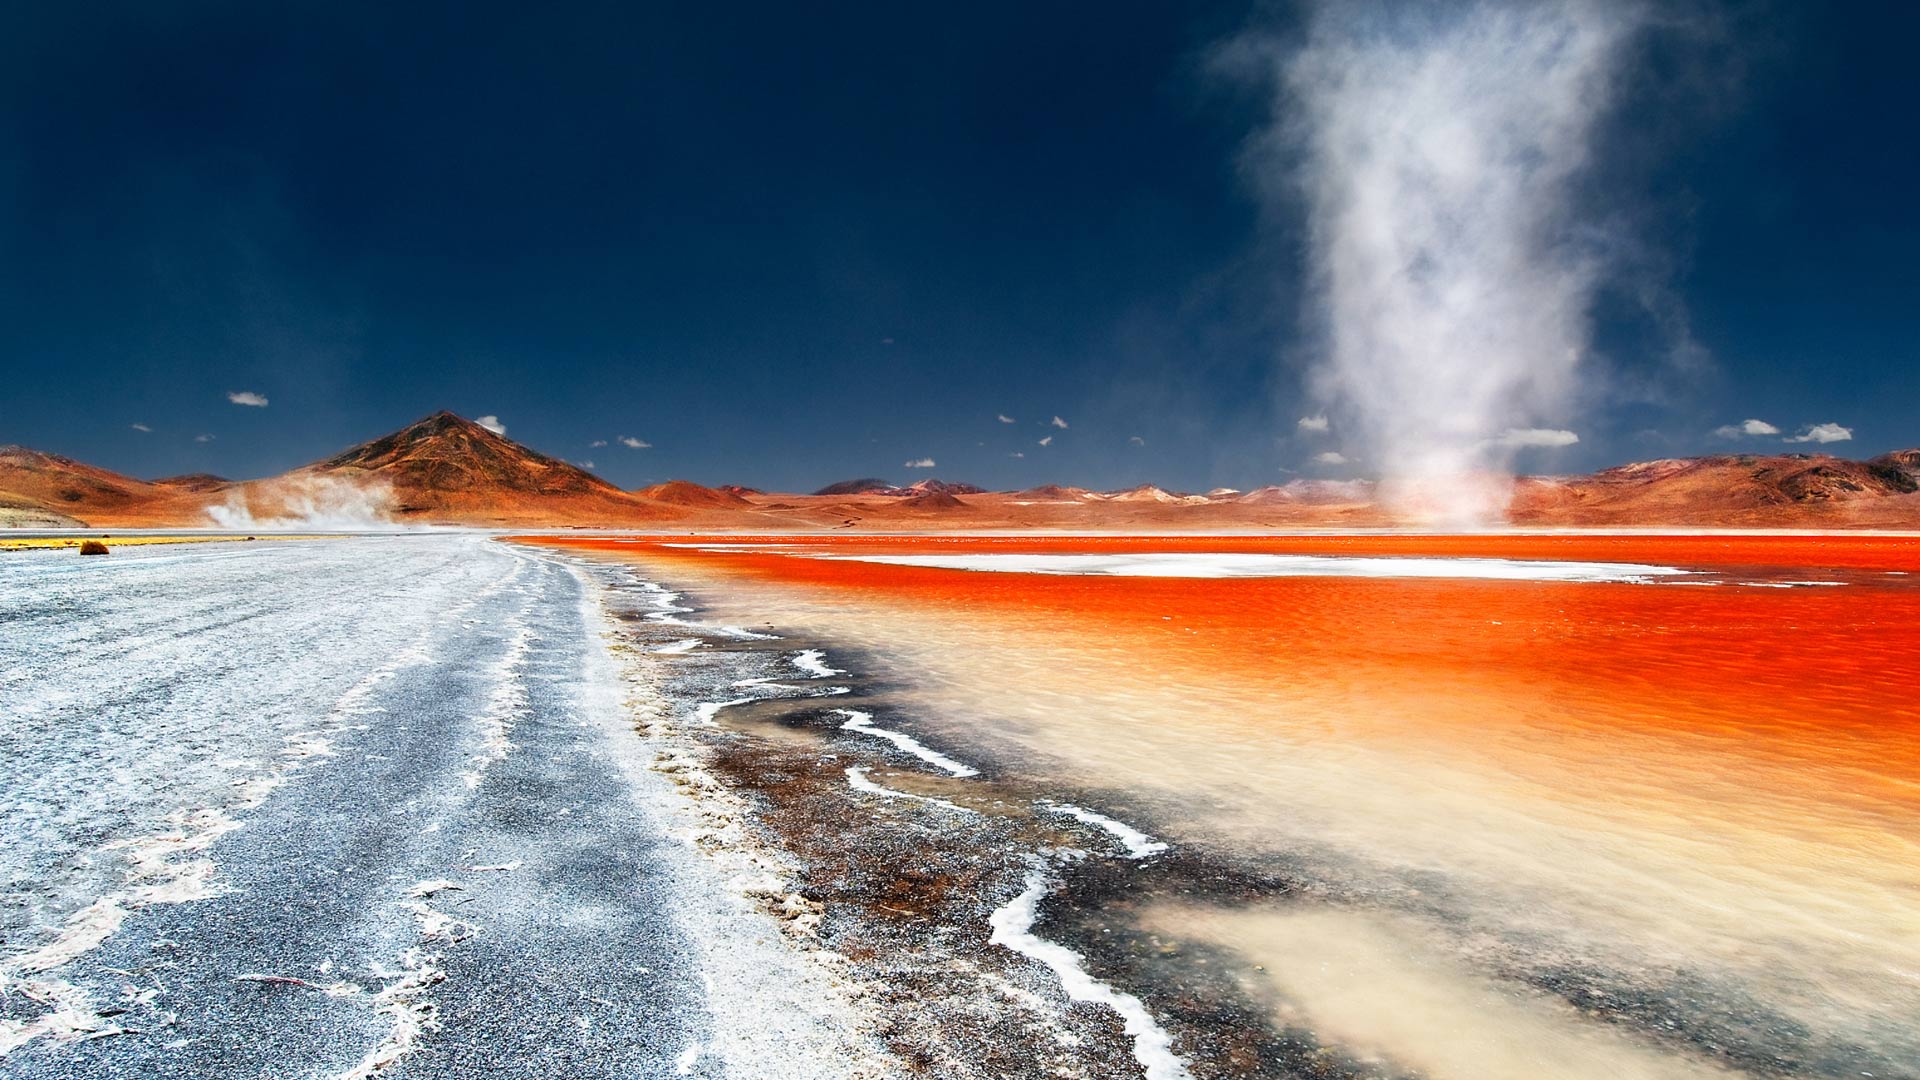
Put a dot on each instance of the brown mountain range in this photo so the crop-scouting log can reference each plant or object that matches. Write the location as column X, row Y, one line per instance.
column 447, row 470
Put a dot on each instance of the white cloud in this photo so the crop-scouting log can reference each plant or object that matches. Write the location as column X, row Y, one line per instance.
column 632, row 443
column 1004, row 418
column 1534, row 436
column 247, row 397
column 141, row 427
column 1316, row 424
column 597, row 443
column 920, row 463
column 1016, row 453
column 1746, row 427
column 1331, row 457
column 1059, row 423
column 586, row 464
column 1048, row 441
column 203, row 438
column 1136, row 441
column 1822, row 433
column 492, row 423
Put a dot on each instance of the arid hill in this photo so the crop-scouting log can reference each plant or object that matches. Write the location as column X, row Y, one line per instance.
column 931, row 486
column 195, row 482
column 61, row 483
column 447, row 470
column 688, row 493
column 39, row 490
column 1781, row 490
column 866, row 485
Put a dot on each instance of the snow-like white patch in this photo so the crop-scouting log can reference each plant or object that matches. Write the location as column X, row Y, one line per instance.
column 506, row 704
column 784, row 1007
column 1138, row 844
column 814, row 663
column 403, row 1002
column 1013, row 929
column 862, row 722
column 1253, row 565
column 857, row 779
column 706, row 711
column 683, row 1064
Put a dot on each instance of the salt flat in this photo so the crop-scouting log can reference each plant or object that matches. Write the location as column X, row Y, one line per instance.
column 350, row 806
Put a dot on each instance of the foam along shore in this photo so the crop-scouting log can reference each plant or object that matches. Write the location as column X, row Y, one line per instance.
column 1138, row 844
column 1013, row 929
column 863, row 723
column 814, row 663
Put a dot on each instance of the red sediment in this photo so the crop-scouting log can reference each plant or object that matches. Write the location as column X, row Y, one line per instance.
column 1805, row 688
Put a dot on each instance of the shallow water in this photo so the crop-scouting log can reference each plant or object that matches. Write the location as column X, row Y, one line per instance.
column 1560, row 827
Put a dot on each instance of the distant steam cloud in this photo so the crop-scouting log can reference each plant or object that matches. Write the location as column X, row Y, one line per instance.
column 1514, row 438
column 247, row 397
column 1746, row 427
column 920, row 463
column 1822, row 433
column 491, row 423
column 1315, row 424
column 1059, row 423
column 141, row 427
column 1436, row 149
column 1331, row 457
column 306, row 502
column 632, row 443
column 1048, row 441
column 1004, row 418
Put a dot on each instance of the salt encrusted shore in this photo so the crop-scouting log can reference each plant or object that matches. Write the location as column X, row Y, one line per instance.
column 896, row 864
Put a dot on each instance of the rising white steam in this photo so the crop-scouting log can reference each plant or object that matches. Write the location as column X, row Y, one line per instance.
column 320, row 503
column 1436, row 150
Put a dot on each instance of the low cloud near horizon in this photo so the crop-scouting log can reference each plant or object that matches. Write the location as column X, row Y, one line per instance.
column 920, row 463
column 491, row 423
column 247, row 397
column 1549, row 437
column 1822, row 433
column 1746, row 427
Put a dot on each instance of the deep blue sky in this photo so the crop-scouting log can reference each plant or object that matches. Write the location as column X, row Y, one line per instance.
column 787, row 245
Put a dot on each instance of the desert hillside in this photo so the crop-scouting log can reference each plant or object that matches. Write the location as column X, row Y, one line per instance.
column 444, row 469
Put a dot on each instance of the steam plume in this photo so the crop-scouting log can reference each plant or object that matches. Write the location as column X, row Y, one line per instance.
column 1436, row 151
column 320, row 503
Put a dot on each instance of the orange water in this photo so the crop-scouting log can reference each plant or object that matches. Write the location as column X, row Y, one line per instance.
column 1652, row 781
